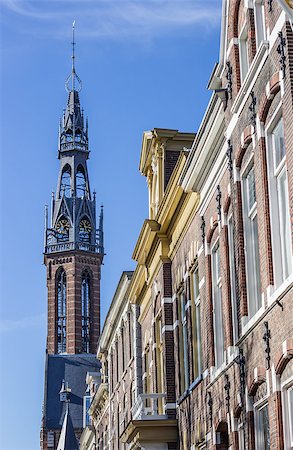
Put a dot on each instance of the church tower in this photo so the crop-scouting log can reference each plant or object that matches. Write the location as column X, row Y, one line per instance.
column 73, row 256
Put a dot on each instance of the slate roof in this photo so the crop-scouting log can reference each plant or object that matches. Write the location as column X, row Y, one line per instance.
column 72, row 369
column 67, row 440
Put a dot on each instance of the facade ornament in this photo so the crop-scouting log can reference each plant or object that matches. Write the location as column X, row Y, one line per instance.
column 229, row 79
column 266, row 338
column 219, row 203
column 227, row 389
column 270, row 4
column 229, row 154
column 252, row 109
column 240, row 360
column 203, row 229
column 210, row 405
column 281, row 51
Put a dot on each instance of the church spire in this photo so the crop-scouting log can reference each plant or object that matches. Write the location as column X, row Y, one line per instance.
column 73, row 131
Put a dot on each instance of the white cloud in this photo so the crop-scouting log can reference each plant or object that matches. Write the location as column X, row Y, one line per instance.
column 8, row 325
column 117, row 19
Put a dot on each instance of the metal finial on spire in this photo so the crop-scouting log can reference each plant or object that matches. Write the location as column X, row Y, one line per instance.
column 73, row 77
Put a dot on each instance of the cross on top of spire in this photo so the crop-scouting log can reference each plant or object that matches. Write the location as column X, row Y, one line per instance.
column 73, row 82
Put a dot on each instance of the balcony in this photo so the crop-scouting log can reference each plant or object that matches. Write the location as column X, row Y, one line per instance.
column 67, row 246
column 149, row 407
column 150, row 426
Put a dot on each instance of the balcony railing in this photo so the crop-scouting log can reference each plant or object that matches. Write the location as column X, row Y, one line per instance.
column 65, row 246
column 149, row 407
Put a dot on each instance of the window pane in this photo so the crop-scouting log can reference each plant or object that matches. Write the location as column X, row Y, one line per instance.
column 251, row 196
column 217, row 306
column 285, row 238
column 232, row 278
column 259, row 21
column 278, row 143
column 264, row 428
column 290, row 407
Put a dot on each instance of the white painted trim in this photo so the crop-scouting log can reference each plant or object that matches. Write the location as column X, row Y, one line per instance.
column 167, row 328
column 201, row 283
column 166, row 300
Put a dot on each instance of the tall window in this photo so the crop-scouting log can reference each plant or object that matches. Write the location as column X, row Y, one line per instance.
column 251, row 242
column 159, row 361
column 183, row 341
column 65, row 186
column 217, row 306
column 262, row 427
column 196, row 333
column 280, row 217
column 259, row 16
column 287, row 405
column 85, row 312
column 243, row 50
column 86, row 406
column 61, row 307
column 232, row 270
column 81, row 187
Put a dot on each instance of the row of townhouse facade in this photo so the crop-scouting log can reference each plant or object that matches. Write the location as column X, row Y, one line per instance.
column 197, row 347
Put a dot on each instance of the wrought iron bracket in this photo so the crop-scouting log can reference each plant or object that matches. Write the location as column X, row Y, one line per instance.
column 266, row 338
column 229, row 79
column 281, row 51
column 203, row 229
column 227, row 389
column 252, row 109
column 219, row 204
column 229, row 154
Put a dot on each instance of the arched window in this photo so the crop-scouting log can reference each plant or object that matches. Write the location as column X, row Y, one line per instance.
column 65, row 185
column 85, row 229
column 85, row 312
column 61, row 306
column 80, row 182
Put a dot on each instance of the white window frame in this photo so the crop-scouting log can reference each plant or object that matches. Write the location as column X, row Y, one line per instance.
column 196, row 293
column 183, row 322
column 232, row 271
column 241, row 434
column 251, row 247
column 274, row 173
column 219, row 347
column 85, row 410
column 258, row 406
column 287, row 387
column 259, row 21
column 243, row 52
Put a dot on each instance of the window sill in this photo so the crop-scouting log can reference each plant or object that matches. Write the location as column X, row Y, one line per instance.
column 246, row 326
column 188, row 391
column 281, row 291
column 254, row 68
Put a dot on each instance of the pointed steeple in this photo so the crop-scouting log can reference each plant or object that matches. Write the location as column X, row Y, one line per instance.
column 73, row 132
column 67, row 440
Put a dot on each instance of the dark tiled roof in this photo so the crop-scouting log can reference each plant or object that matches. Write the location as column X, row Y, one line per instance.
column 72, row 369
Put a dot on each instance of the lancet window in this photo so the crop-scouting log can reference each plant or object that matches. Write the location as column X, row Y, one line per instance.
column 61, row 304
column 65, row 185
column 80, row 182
column 85, row 311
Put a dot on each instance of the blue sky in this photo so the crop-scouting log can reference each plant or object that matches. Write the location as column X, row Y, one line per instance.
column 143, row 64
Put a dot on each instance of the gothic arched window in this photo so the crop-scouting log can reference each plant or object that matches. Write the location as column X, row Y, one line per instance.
column 65, row 185
column 85, row 312
column 80, row 182
column 61, row 311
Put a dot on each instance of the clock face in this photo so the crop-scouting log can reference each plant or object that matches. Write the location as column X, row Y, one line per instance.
column 85, row 229
column 62, row 228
